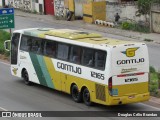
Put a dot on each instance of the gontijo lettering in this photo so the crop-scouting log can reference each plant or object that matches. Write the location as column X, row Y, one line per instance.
column 130, row 61
column 69, row 68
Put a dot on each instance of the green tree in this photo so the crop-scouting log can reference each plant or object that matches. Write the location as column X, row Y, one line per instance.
column 144, row 6
column 156, row 1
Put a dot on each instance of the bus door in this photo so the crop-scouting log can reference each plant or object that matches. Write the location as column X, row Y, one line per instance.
column 14, row 52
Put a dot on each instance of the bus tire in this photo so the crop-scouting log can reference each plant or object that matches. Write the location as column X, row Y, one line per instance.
column 26, row 77
column 76, row 95
column 86, row 97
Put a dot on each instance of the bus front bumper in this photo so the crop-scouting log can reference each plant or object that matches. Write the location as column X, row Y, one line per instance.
column 113, row 100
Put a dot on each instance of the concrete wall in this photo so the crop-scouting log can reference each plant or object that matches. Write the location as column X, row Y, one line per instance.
column 1, row 4
column 26, row 5
column 59, row 8
column 126, row 11
column 37, row 6
column 155, row 18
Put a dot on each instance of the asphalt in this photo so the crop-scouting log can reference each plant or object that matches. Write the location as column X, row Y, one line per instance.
column 154, row 37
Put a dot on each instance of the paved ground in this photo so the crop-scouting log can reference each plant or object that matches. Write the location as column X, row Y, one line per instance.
column 79, row 23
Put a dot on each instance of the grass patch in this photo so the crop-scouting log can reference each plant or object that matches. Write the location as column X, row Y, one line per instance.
column 154, row 82
column 3, row 36
column 135, row 27
column 148, row 40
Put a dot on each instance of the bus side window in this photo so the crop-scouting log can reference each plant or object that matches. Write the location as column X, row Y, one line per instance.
column 26, row 43
column 100, row 60
column 36, row 45
column 88, row 57
column 75, row 54
column 62, row 51
column 50, row 48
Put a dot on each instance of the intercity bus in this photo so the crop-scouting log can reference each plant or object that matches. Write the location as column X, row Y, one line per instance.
column 90, row 67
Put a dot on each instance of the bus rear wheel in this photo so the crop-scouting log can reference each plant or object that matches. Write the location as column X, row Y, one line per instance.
column 26, row 77
column 76, row 95
column 86, row 97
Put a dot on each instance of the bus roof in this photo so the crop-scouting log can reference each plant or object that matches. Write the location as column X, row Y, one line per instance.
column 86, row 37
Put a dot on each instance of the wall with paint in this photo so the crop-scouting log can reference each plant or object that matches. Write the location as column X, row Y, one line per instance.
column 27, row 5
column 59, row 8
column 126, row 11
column 39, row 6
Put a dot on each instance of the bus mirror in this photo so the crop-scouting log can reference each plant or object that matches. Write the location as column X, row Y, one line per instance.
column 7, row 45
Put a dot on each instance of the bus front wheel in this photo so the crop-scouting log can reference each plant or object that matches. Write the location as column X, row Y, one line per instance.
column 76, row 95
column 26, row 77
column 86, row 97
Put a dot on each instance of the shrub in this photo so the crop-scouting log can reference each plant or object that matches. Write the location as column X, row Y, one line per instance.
column 152, row 69
column 153, row 83
column 135, row 27
column 126, row 25
column 3, row 36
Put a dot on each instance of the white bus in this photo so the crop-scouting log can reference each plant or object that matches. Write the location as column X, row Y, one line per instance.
column 91, row 68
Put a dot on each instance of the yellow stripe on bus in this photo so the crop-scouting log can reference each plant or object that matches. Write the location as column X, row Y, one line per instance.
column 53, row 73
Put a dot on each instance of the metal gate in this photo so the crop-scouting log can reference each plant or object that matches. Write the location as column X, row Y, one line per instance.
column 155, row 22
column 49, row 7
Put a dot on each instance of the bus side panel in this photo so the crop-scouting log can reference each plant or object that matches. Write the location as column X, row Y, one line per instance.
column 55, row 75
column 25, row 62
column 80, row 82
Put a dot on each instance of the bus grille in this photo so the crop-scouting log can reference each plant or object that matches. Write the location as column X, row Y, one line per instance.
column 100, row 92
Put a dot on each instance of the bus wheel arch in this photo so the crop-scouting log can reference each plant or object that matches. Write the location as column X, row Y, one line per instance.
column 76, row 95
column 25, row 76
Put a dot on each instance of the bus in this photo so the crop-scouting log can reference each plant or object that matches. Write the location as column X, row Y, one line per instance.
column 89, row 67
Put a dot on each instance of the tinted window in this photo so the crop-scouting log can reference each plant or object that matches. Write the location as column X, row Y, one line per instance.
column 94, row 58
column 36, row 45
column 14, row 47
column 50, row 48
column 26, row 43
column 63, row 51
column 75, row 54
column 88, row 57
column 100, row 59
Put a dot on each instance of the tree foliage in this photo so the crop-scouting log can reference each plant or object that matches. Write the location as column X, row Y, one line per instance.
column 144, row 6
column 156, row 1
